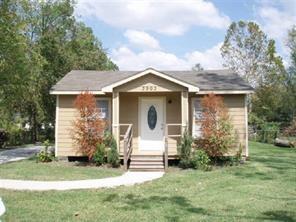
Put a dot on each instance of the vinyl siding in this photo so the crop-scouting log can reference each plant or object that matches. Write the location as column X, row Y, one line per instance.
column 236, row 108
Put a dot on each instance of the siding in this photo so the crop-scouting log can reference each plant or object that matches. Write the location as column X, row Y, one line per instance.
column 149, row 83
column 66, row 115
column 128, row 103
column 236, row 108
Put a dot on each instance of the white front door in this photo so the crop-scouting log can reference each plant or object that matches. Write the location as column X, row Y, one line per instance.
column 152, row 122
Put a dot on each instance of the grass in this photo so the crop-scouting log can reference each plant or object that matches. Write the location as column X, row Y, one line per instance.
column 30, row 170
column 262, row 189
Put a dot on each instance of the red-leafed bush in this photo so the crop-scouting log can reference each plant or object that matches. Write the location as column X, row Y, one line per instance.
column 88, row 128
column 217, row 130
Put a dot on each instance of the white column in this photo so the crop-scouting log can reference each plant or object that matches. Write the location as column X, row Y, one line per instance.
column 184, row 110
column 57, row 125
column 246, row 127
column 115, row 117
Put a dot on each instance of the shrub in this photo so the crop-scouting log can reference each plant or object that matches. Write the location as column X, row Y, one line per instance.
column 185, row 150
column 217, row 130
column 3, row 138
column 112, row 154
column 291, row 130
column 269, row 131
column 89, row 127
column 200, row 160
column 44, row 155
column 99, row 155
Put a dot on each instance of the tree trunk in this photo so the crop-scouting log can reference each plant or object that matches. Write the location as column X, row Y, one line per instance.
column 282, row 143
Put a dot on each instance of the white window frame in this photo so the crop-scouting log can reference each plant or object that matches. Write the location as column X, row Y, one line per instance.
column 109, row 109
column 193, row 114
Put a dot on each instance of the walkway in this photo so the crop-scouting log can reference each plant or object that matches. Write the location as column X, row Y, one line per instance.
column 18, row 154
column 127, row 179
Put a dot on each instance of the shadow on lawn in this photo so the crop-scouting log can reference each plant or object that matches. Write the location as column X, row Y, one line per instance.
column 179, row 203
column 133, row 202
column 271, row 166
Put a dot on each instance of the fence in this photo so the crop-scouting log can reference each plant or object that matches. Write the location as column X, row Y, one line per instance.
column 269, row 136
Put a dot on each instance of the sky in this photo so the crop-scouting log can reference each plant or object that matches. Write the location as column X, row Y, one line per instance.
column 176, row 34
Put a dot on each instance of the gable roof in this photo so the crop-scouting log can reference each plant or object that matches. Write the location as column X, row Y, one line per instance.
column 99, row 82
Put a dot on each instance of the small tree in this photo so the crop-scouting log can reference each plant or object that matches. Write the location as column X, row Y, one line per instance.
column 88, row 128
column 217, row 130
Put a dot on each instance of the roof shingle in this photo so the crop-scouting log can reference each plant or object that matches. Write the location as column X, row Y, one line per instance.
column 80, row 80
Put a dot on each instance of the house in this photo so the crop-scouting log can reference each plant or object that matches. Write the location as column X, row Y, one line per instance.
column 148, row 110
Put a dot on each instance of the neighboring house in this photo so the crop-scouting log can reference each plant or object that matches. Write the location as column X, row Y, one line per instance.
column 148, row 110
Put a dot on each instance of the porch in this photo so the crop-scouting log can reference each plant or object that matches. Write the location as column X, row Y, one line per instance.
column 132, row 119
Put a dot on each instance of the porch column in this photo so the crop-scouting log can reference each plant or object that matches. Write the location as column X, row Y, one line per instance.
column 184, row 110
column 115, row 117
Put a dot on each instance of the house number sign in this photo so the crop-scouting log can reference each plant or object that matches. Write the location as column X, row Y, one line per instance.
column 149, row 88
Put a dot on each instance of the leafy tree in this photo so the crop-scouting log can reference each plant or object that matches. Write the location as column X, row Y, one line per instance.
column 40, row 42
column 88, row 129
column 291, row 75
column 197, row 67
column 247, row 51
column 20, row 65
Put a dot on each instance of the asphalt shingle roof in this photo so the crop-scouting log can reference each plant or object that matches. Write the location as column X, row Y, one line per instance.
column 79, row 80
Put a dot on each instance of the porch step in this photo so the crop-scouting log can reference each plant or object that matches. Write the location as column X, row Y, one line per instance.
column 146, row 163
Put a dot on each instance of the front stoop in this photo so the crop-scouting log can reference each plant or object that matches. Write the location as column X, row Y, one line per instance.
column 146, row 163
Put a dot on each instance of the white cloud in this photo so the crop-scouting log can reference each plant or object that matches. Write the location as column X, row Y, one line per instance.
column 276, row 19
column 168, row 17
column 277, row 22
column 142, row 39
column 127, row 59
column 210, row 59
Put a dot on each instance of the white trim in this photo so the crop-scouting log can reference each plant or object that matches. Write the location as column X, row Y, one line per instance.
column 184, row 111
column 109, row 109
column 193, row 99
column 56, row 125
column 246, row 125
column 95, row 92
column 140, row 98
column 191, row 88
column 115, row 118
column 226, row 92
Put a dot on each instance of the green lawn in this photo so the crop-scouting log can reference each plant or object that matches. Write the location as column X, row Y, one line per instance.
column 30, row 170
column 262, row 189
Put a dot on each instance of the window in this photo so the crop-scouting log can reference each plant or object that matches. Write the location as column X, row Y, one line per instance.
column 152, row 117
column 196, row 117
column 104, row 109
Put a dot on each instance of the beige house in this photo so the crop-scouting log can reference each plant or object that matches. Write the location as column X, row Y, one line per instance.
column 148, row 110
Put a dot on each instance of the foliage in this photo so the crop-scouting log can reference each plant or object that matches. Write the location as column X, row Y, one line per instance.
column 185, row 150
column 3, row 138
column 112, row 153
column 100, row 154
column 45, row 156
column 247, row 51
column 268, row 132
column 200, row 160
column 88, row 129
column 290, row 83
column 291, row 130
column 40, row 42
column 113, row 157
column 217, row 131
column 197, row 67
